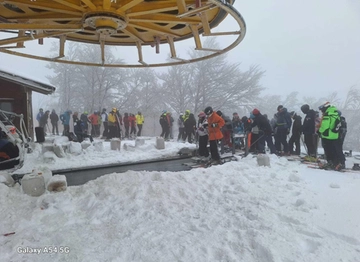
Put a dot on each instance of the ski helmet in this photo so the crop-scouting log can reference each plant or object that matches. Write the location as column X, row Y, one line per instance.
column 305, row 108
column 324, row 106
column 208, row 110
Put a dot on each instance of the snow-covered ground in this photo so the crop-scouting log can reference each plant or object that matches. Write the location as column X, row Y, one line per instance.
column 234, row 212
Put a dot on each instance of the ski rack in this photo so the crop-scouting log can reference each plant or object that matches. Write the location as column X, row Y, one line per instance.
column 23, row 139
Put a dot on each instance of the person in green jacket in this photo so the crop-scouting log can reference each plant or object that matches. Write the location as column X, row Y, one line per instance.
column 329, row 136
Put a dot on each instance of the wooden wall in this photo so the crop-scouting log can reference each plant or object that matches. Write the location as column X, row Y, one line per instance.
column 20, row 97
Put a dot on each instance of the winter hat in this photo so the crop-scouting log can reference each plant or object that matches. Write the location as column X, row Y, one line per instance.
column 280, row 107
column 256, row 112
column 305, row 108
column 208, row 110
column 201, row 114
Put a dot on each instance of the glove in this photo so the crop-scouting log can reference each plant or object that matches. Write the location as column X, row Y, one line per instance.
column 214, row 124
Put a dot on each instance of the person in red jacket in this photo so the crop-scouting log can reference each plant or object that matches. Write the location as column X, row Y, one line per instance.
column 215, row 123
column 132, row 120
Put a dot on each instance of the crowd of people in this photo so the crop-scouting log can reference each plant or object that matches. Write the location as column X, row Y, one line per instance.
column 281, row 134
column 114, row 124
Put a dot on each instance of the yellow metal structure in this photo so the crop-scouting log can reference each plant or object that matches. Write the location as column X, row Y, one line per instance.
column 115, row 23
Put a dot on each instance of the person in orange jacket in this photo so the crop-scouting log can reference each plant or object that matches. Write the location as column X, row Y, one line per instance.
column 215, row 123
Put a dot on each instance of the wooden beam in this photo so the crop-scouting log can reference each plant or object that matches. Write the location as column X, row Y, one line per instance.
column 133, row 33
column 195, row 32
column 129, row 5
column 20, row 34
column 181, row 6
column 74, row 6
column 70, row 27
column 15, row 40
column 44, row 5
column 172, row 46
column 102, row 46
column 62, row 46
column 205, row 23
column 197, row 10
column 106, row 4
column 89, row 4
column 148, row 9
column 164, row 18
column 44, row 16
column 224, row 33
column 154, row 28
column 139, row 48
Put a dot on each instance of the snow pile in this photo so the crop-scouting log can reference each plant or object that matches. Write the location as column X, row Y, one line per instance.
column 234, row 212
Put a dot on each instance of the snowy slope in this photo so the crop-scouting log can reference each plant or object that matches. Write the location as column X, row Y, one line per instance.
column 233, row 212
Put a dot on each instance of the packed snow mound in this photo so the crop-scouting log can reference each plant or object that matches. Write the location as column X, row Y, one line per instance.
column 233, row 212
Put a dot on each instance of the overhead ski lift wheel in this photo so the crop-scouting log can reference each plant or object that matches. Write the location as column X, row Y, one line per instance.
column 136, row 23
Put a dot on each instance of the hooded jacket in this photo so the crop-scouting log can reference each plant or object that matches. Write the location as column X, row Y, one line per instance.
column 215, row 122
column 328, row 124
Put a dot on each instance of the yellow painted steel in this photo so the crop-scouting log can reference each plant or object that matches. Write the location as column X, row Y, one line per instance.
column 115, row 22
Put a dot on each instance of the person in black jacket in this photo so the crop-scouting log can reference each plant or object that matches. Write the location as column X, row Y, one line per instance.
column 264, row 131
column 296, row 134
column 308, row 129
column 190, row 126
column 44, row 120
column 54, row 119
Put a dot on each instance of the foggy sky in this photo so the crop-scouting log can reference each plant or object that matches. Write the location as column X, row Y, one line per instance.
column 309, row 46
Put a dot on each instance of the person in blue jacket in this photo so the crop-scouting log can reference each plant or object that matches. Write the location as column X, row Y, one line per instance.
column 65, row 120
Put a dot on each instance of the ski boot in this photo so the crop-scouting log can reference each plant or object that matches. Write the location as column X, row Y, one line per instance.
column 356, row 167
column 326, row 166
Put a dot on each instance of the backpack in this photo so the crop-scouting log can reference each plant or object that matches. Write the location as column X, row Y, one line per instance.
column 338, row 125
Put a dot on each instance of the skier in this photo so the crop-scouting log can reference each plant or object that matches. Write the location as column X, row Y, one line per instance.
column 65, row 120
column 85, row 120
column 283, row 126
column 39, row 115
column 181, row 127
column 202, row 131
column 296, row 134
column 139, row 121
column 215, row 123
column 104, row 118
column 165, row 126
column 189, row 127
column 132, row 120
column 329, row 137
column 126, row 124
column 264, row 132
column 79, row 130
column 308, row 129
column 54, row 119
column 44, row 120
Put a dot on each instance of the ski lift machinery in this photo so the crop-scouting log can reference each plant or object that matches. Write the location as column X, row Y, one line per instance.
column 133, row 23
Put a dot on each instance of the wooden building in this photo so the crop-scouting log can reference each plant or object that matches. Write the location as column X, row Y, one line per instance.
column 16, row 96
